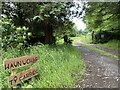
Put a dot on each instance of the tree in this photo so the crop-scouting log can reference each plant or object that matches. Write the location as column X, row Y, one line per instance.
column 42, row 17
column 12, row 35
column 102, row 16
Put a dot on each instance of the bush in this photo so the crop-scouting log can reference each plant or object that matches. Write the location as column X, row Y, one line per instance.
column 13, row 36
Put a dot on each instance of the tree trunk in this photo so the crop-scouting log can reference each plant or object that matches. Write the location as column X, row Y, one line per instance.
column 48, row 33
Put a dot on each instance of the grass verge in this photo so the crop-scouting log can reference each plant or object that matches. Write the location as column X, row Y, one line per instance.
column 100, row 51
column 113, row 44
column 59, row 66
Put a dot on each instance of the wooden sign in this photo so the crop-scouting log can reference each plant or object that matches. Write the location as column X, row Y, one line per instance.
column 20, row 62
column 20, row 77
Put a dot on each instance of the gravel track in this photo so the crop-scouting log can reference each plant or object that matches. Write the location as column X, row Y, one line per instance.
column 101, row 71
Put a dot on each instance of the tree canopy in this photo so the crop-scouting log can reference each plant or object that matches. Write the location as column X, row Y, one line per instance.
column 103, row 16
column 45, row 20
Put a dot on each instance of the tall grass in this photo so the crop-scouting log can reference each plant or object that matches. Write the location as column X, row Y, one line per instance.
column 59, row 66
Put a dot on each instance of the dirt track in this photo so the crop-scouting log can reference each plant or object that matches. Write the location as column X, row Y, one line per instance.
column 102, row 71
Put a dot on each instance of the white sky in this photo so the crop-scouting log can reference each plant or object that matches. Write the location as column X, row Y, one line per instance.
column 79, row 24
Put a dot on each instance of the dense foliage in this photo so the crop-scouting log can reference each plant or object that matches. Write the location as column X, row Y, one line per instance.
column 13, row 36
column 102, row 18
column 46, row 21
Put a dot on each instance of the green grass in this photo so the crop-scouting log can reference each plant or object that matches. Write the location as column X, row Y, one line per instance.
column 75, row 40
column 85, row 39
column 113, row 44
column 100, row 51
column 59, row 66
column 61, row 41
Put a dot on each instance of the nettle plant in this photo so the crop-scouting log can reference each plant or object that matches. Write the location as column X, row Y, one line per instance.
column 13, row 36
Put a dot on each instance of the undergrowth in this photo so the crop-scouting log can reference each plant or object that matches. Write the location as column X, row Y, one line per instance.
column 59, row 66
